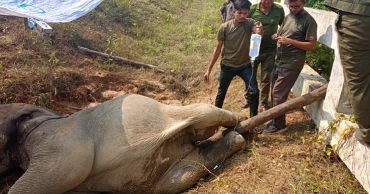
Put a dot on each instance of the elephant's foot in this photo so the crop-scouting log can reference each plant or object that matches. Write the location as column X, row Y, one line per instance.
column 221, row 133
column 198, row 164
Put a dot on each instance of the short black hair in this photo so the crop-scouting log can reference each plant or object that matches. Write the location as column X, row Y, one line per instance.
column 242, row 4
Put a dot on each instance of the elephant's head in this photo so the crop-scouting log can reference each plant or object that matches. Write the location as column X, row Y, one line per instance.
column 16, row 122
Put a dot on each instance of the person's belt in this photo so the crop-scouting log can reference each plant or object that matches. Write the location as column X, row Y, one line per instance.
column 340, row 12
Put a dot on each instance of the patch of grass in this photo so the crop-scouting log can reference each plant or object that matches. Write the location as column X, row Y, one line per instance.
column 17, row 88
column 173, row 35
column 121, row 12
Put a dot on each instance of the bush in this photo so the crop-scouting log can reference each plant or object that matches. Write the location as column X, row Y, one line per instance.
column 321, row 60
column 317, row 4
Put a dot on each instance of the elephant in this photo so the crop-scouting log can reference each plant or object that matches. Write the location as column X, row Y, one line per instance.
column 129, row 144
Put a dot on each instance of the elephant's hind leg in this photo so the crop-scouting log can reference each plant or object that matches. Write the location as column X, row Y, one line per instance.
column 56, row 167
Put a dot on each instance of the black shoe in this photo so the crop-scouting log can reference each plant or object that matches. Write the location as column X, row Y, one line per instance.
column 272, row 129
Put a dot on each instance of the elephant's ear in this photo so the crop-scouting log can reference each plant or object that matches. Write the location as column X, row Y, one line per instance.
column 5, row 125
column 21, row 119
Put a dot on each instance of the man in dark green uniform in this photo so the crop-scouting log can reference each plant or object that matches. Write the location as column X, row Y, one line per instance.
column 353, row 26
column 297, row 34
column 226, row 10
column 270, row 15
column 233, row 39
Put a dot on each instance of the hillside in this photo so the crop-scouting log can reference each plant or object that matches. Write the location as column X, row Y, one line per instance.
column 178, row 37
column 136, row 30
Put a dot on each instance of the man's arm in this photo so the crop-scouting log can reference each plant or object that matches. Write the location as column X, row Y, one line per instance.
column 222, row 17
column 216, row 53
column 222, row 12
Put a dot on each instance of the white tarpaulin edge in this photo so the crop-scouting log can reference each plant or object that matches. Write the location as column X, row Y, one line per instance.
column 48, row 10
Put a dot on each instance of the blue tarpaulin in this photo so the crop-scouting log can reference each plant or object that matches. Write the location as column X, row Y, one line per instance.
column 48, row 10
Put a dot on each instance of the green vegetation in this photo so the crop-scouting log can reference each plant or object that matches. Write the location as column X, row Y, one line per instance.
column 152, row 32
column 317, row 4
column 155, row 32
column 321, row 60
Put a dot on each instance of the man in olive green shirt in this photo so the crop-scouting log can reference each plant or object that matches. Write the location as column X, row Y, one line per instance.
column 297, row 34
column 234, row 40
column 271, row 15
column 353, row 27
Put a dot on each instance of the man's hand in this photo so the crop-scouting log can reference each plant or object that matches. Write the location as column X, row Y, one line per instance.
column 274, row 37
column 206, row 76
column 284, row 40
column 258, row 27
column 258, row 24
column 214, row 57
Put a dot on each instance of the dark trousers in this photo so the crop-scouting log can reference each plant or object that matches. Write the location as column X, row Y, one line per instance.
column 267, row 61
column 354, row 50
column 246, row 73
column 283, row 80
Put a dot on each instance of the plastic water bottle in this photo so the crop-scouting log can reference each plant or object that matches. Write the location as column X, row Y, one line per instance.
column 31, row 23
column 254, row 49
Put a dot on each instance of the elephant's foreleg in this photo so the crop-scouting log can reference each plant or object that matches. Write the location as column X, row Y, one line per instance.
column 198, row 164
column 56, row 167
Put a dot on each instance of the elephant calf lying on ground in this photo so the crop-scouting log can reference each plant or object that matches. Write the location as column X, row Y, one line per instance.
column 131, row 144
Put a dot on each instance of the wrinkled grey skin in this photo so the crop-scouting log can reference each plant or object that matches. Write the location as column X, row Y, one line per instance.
column 131, row 144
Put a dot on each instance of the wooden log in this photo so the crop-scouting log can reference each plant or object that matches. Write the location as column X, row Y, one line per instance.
column 246, row 128
column 123, row 60
column 248, row 125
